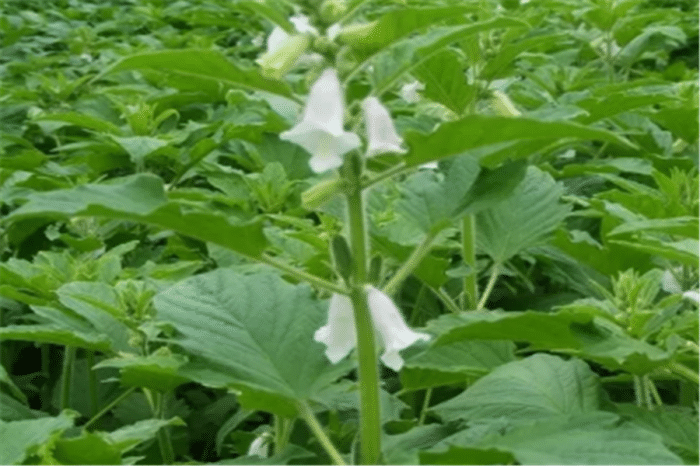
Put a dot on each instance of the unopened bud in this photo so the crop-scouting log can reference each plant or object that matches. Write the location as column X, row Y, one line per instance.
column 276, row 63
column 332, row 10
column 356, row 35
column 321, row 193
column 502, row 104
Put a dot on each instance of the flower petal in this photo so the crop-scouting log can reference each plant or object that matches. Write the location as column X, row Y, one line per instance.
column 339, row 333
column 381, row 134
column 320, row 131
column 392, row 328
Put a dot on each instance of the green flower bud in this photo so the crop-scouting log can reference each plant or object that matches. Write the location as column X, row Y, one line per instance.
column 356, row 34
column 277, row 63
column 332, row 10
column 502, row 104
column 323, row 192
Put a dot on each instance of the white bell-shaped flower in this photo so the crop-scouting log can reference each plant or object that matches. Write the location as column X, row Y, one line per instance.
column 394, row 332
column 394, row 335
column 321, row 131
column 339, row 333
column 381, row 134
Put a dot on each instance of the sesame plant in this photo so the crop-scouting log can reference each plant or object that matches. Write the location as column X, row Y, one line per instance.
column 349, row 232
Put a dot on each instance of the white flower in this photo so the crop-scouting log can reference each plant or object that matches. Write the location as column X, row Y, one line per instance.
column 260, row 446
column 321, row 131
column 429, row 165
column 409, row 92
column 381, row 134
column 339, row 333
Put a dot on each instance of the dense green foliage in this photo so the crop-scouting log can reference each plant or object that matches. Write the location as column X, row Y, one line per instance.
column 156, row 232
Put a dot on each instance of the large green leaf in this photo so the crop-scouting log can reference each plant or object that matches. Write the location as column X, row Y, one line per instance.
column 536, row 387
column 573, row 331
column 587, row 438
column 677, row 426
column 473, row 131
column 200, row 65
column 431, row 201
column 255, row 333
column 141, row 198
column 445, row 81
column 392, row 62
column 454, row 362
column 21, row 439
column 522, row 220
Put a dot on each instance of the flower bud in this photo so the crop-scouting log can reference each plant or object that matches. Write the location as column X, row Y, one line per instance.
column 321, row 193
column 502, row 104
column 276, row 62
column 332, row 10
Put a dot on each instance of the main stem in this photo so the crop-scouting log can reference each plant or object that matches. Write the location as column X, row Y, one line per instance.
column 370, row 426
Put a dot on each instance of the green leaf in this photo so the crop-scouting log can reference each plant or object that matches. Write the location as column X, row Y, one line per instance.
column 141, row 198
column 445, row 81
column 587, row 438
column 256, row 334
column 82, row 120
column 536, row 387
column 127, row 437
column 685, row 226
column 13, row 410
column 441, row 364
column 685, row 251
column 138, row 147
column 89, row 448
column 678, row 427
column 391, row 63
column 403, row 448
column 23, row 438
column 430, row 201
column 155, row 371
column 200, row 65
column 55, row 335
column 522, row 220
column 491, row 187
column 367, row 39
column 473, row 131
column 575, row 331
column 99, row 304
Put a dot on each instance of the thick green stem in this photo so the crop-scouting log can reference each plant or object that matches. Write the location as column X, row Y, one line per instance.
column 303, row 276
column 107, row 408
column 308, row 415
column 489, row 286
column 471, row 292
column 409, row 266
column 370, row 424
column 164, row 441
column 68, row 363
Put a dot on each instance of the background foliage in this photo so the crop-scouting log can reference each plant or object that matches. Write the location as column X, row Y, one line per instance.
column 147, row 202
